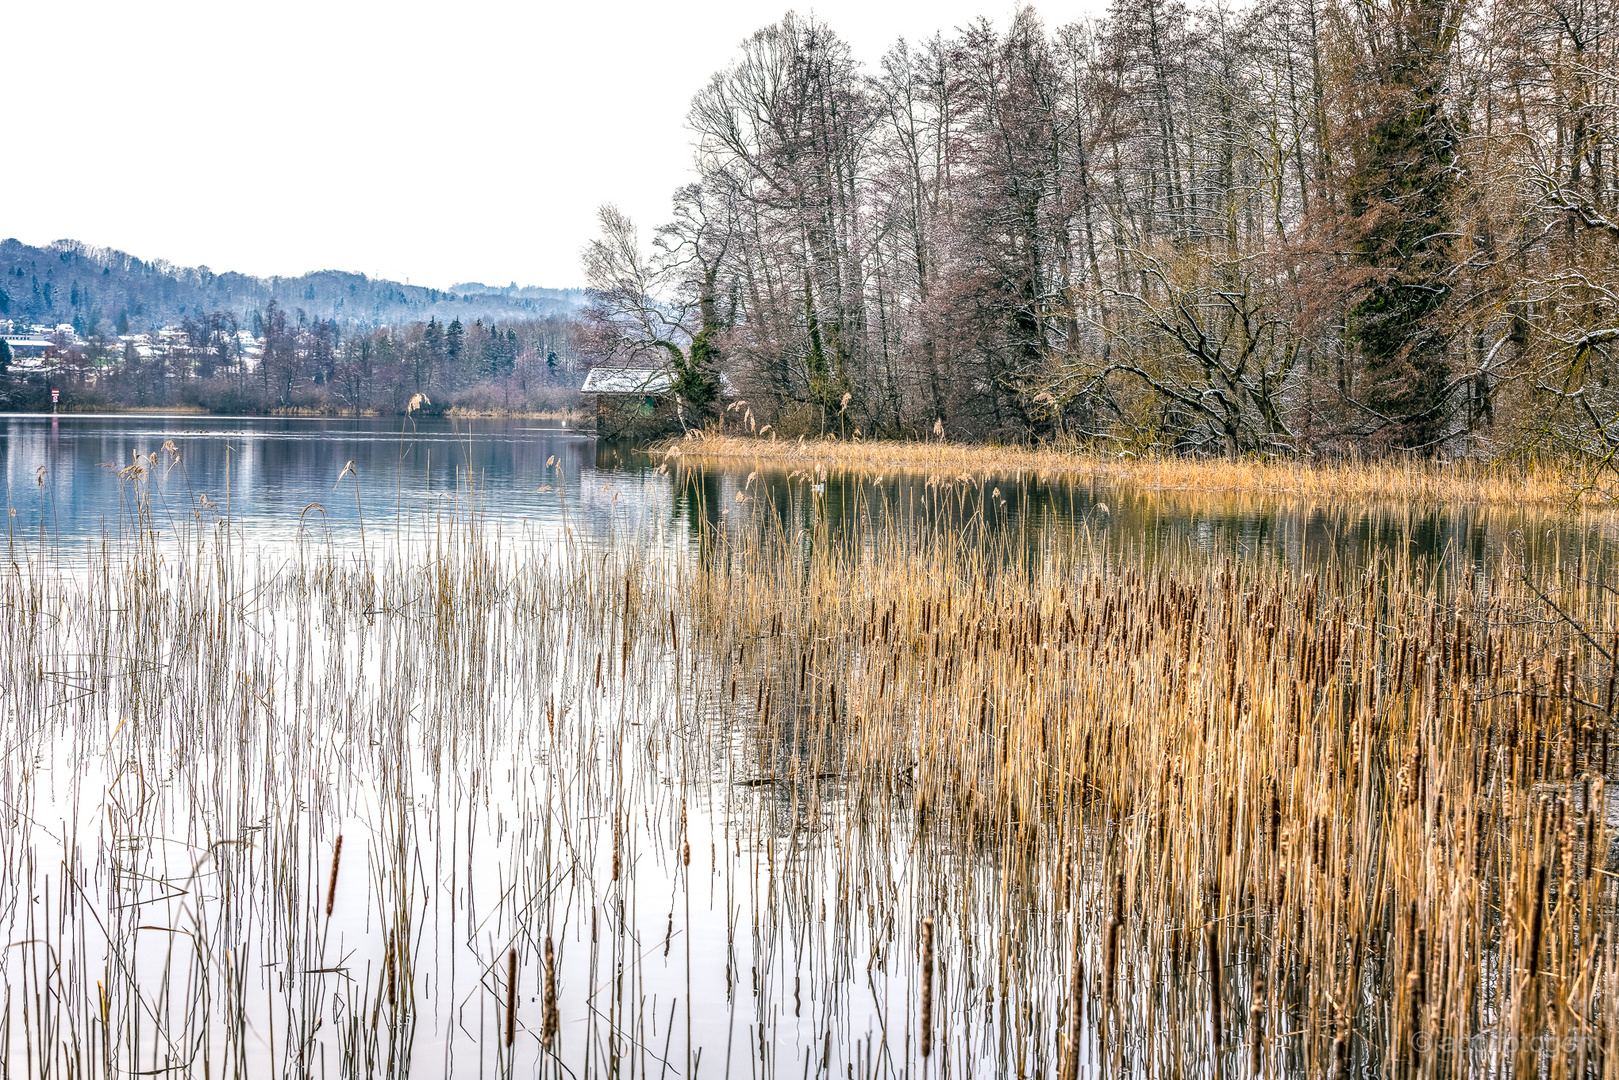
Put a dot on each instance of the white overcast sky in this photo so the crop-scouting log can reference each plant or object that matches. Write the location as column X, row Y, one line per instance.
column 443, row 142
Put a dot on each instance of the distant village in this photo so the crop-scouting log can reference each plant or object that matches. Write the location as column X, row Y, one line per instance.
column 40, row 348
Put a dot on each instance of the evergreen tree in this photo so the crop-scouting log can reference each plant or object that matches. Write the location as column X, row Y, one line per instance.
column 1400, row 201
column 432, row 354
column 452, row 341
column 499, row 353
column 695, row 379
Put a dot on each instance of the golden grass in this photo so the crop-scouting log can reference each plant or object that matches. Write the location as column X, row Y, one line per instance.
column 1538, row 484
column 1045, row 803
column 1352, row 773
column 141, row 410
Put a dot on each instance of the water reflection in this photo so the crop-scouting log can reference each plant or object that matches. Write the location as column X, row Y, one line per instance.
column 62, row 487
column 1146, row 525
column 495, row 756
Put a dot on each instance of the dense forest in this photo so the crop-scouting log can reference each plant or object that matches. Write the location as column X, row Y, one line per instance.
column 98, row 290
column 526, row 365
column 1291, row 225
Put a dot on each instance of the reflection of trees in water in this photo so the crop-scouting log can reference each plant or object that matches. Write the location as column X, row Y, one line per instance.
column 274, row 467
column 1145, row 525
column 699, row 501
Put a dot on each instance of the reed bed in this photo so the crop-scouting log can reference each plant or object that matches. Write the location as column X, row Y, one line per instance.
column 1347, row 809
column 908, row 795
column 1517, row 481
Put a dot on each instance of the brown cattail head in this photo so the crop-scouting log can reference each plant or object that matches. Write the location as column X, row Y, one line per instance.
column 551, row 1017
column 331, row 885
column 1536, row 926
column 388, row 962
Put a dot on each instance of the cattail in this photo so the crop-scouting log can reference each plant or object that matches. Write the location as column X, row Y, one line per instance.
column 927, row 986
column 1275, row 814
column 1256, row 1029
column 511, row 996
column 1613, row 677
column 1211, row 942
column 331, row 885
column 551, row 1024
column 1536, row 924
column 388, row 963
column 1416, row 981
column 616, row 864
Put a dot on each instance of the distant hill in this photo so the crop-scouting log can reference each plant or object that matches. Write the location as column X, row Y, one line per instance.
column 91, row 287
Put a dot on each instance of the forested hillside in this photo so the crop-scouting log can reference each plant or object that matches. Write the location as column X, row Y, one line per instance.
column 286, row 361
column 1287, row 225
column 99, row 290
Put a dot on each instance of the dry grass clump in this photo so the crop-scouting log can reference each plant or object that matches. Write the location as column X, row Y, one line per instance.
column 1510, row 483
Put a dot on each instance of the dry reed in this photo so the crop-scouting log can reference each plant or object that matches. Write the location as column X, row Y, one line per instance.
column 1355, row 817
column 1513, row 482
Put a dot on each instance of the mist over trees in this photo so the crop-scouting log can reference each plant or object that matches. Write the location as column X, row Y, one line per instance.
column 100, row 290
column 1299, row 225
column 153, row 335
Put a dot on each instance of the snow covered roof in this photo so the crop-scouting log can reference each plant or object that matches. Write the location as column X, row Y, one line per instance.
column 605, row 380
column 610, row 380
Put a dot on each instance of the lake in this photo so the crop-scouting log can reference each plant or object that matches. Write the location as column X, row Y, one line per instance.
column 357, row 747
column 278, row 479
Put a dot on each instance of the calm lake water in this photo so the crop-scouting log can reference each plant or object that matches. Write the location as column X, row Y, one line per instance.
column 281, row 479
column 177, row 776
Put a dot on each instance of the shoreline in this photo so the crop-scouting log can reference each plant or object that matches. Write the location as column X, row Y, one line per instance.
column 1542, row 485
column 568, row 416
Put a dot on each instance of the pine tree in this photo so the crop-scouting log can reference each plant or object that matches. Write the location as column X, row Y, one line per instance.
column 452, row 341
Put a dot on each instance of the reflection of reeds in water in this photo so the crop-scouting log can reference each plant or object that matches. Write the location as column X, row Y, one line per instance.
column 1340, row 778
column 1001, row 801
column 1514, row 482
